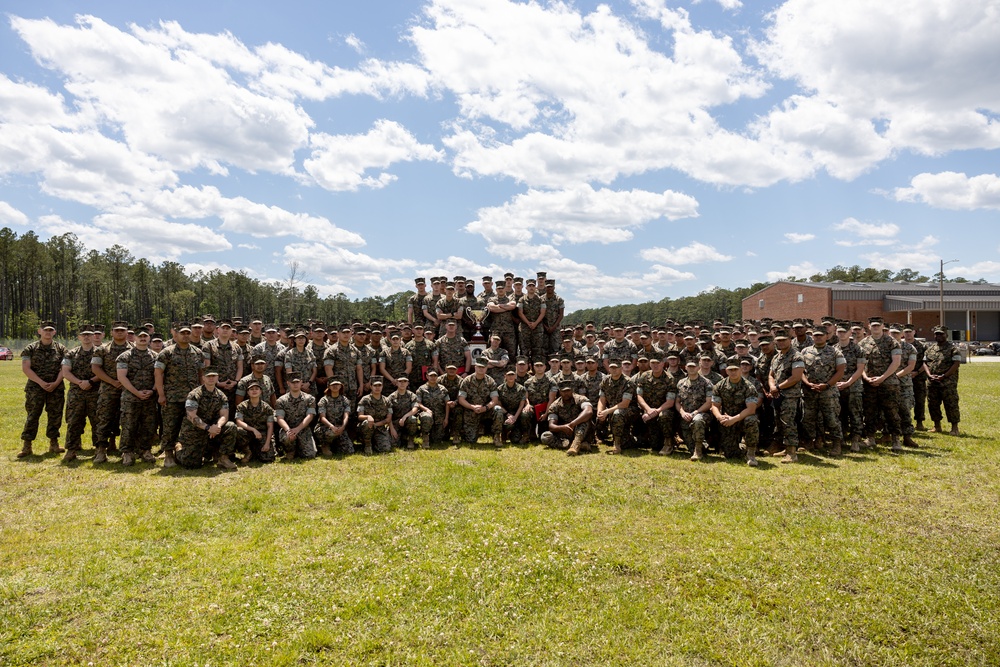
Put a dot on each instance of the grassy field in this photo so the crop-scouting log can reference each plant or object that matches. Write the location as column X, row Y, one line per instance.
column 519, row 557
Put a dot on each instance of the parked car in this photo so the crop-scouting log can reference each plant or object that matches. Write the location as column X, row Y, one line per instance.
column 6, row 354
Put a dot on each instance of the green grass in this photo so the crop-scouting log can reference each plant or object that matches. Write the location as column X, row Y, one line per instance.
column 522, row 556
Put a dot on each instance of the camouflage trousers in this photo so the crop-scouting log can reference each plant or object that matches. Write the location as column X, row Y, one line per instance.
column 693, row 431
column 919, row 396
column 765, row 420
column 747, row 430
column 437, row 431
column 508, row 341
column 138, row 422
column 553, row 340
column 533, row 343
column 881, row 406
column 80, row 406
column 304, row 443
column 491, row 420
column 522, row 426
column 583, row 432
column 378, row 437
column 785, row 410
column 617, row 427
column 906, row 407
column 196, row 446
column 109, row 410
column 821, row 413
column 37, row 399
column 247, row 440
column 418, row 424
column 852, row 408
column 657, row 432
column 943, row 392
column 325, row 437
column 172, row 414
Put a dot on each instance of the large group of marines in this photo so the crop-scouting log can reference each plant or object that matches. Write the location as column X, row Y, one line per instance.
column 215, row 389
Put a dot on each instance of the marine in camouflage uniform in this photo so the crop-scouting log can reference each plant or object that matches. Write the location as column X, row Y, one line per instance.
column 478, row 397
column 453, row 350
column 109, row 398
column 416, row 420
column 447, row 308
column 575, row 412
column 765, row 411
column 734, row 402
column 851, row 396
column 881, row 396
column 541, row 390
column 497, row 359
column 656, row 392
column 269, row 352
column 374, row 413
column 294, row 411
column 786, row 365
column 908, row 359
column 424, row 354
column 257, row 374
column 333, row 409
column 258, row 417
column 395, row 363
column 555, row 306
column 298, row 361
column 43, row 360
column 343, row 361
column 919, row 379
column 138, row 414
column 824, row 368
column 531, row 308
column 206, row 409
column 81, row 401
column 615, row 408
column 502, row 309
column 178, row 371
column 620, row 348
column 518, row 422
column 942, row 361
column 435, row 397
column 227, row 359
column 693, row 392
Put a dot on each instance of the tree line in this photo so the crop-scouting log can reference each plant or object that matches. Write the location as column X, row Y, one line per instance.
column 61, row 280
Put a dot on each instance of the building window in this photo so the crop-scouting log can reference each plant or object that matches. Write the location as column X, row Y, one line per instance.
column 800, row 298
column 760, row 304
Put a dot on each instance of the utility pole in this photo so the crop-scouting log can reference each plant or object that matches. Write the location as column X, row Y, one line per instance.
column 941, row 291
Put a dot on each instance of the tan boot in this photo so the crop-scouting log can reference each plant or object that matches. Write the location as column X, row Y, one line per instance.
column 25, row 449
column 69, row 456
column 937, row 427
column 574, row 448
column 54, row 447
column 425, row 442
column 790, row 456
column 410, row 444
column 101, row 456
column 896, row 446
column 855, row 443
column 368, row 449
column 127, row 459
column 920, row 426
column 224, row 462
column 836, row 449
column 147, row 456
column 908, row 441
column 752, row 456
column 168, row 459
column 698, row 453
column 668, row 448
column 325, row 451
column 954, row 430
column 497, row 440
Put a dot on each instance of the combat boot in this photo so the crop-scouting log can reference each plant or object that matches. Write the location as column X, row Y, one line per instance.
column 668, row 447
column 837, row 448
column 54, row 447
column 101, row 456
column 775, row 448
column 425, row 443
column 412, row 445
column 25, row 449
column 127, row 459
column 855, row 443
column 574, row 448
column 112, row 449
column 325, row 451
column 168, row 458
column 147, row 456
column 698, row 453
column 790, row 456
column 222, row 461
column 954, row 429
column 870, row 442
column 937, row 427
column 368, row 448
column 752, row 455
column 896, row 447
column 69, row 456
column 920, row 426
column 908, row 441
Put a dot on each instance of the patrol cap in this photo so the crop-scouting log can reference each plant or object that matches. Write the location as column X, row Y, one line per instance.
column 258, row 359
column 655, row 358
column 507, row 275
column 673, row 354
column 818, row 331
column 487, row 279
column 254, row 383
column 118, row 324
column 431, row 371
column 179, row 327
column 197, row 322
column 270, row 327
column 208, row 318
column 301, row 333
column 780, row 333
column 142, row 332
column 334, row 381
column 376, row 379
column 530, row 281
column 226, row 322
column 346, row 327
column 155, row 336
column 518, row 280
column 614, row 362
column 521, row 360
column 86, row 329
column 740, row 343
column 540, row 274
column 449, row 285
column 765, row 340
column 843, row 326
column 256, row 319
column 420, row 281
column 402, row 378
column 480, row 361
column 566, row 384
column 451, row 366
column 539, row 363
column 98, row 328
column 875, row 320
column 940, row 330
column 210, row 371
column 745, row 360
column 908, row 327
column 895, row 327
column 642, row 357
column 511, row 372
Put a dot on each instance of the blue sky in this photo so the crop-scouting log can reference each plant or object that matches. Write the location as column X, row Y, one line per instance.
column 634, row 150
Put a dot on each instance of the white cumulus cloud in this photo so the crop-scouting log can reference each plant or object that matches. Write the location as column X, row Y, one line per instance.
column 795, row 237
column 695, row 253
column 953, row 190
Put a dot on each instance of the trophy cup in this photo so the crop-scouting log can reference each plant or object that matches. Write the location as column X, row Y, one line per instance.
column 477, row 315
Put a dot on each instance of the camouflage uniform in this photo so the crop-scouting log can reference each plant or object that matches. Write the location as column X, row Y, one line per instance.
column 368, row 356
column 619, row 424
column 46, row 361
column 883, row 400
column 765, row 411
column 452, row 351
column 181, row 368
column 417, row 302
column 502, row 324
column 479, row 392
column 786, row 406
column 225, row 359
column 81, row 404
column 563, row 412
column 266, row 388
column 821, row 409
column 533, row 341
column 590, row 385
column 109, row 398
column 294, row 410
column 554, row 305
column 395, row 363
column 333, row 408
column 731, row 398
column 258, row 417
column 655, row 391
column 423, row 352
column 510, row 400
column 269, row 353
column 318, row 351
column 456, row 418
column 345, row 359
column 375, row 436
column 852, row 403
column 615, row 351
column 909, row 353
column 303, row 363
column 496, row 372
column 939, row 359
column 138, row 418
column 195, row 443
column 691, row 395
column 919, row 378
column 446, row 307
column 416, row 424
column 538, row 391
column 436, row 400
column 685, row 354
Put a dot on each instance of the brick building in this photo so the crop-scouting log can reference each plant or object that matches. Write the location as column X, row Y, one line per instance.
column 971, row 312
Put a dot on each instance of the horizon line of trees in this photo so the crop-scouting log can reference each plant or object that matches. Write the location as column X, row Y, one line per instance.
column 61, row 280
